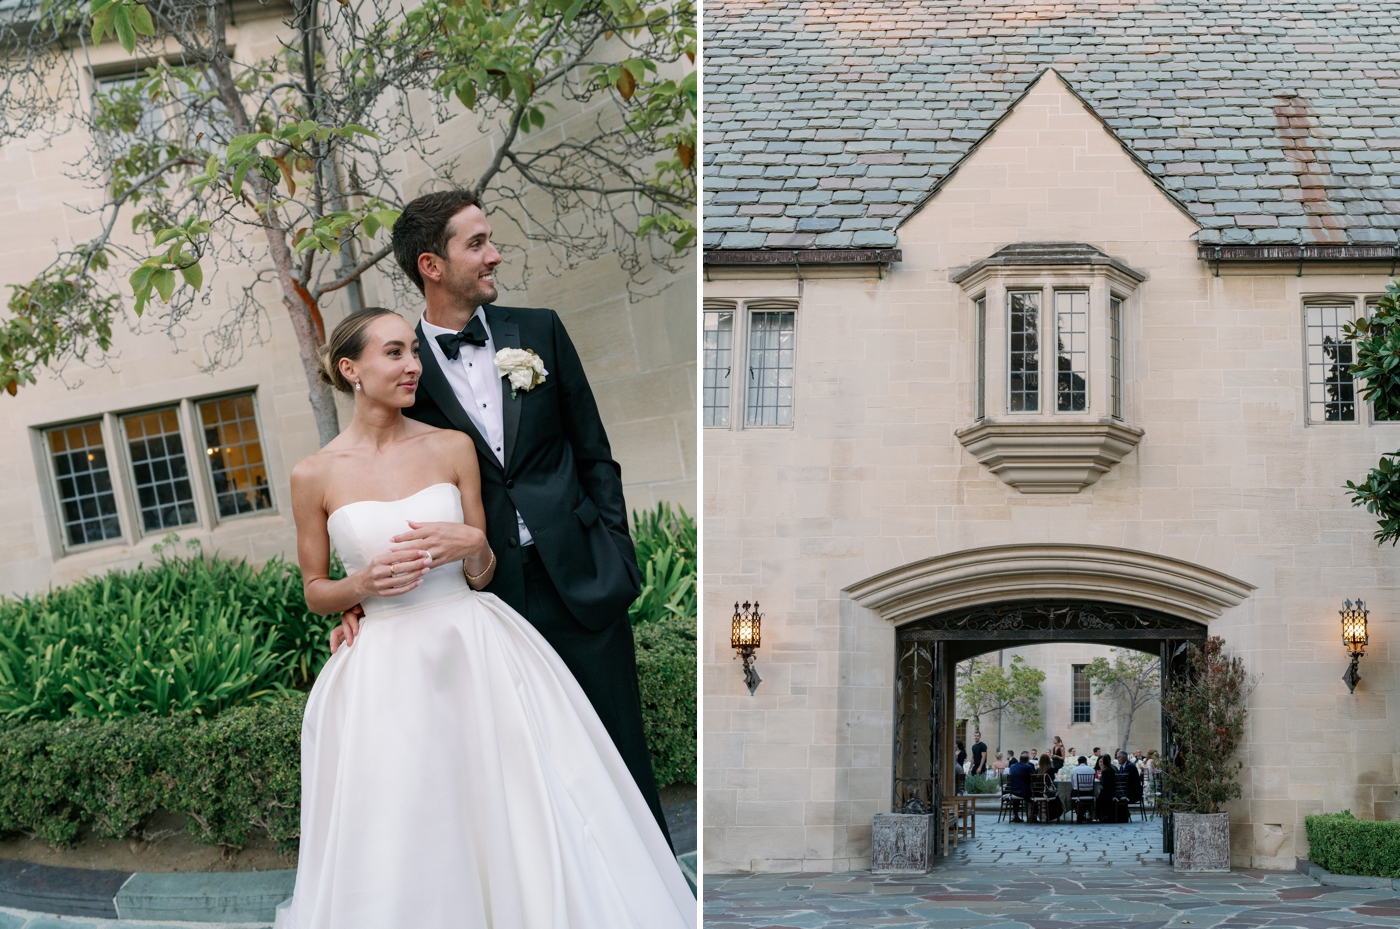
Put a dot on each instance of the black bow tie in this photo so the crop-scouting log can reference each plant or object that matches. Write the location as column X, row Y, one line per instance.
column 473, row 333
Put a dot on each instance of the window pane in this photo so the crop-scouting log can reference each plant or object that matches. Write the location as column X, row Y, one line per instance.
column 719, row 358
column 771, row 337
column 1080, row 685
column 159, row 470
column 1115, row 357
column 982, row 358
column 1071, row 352
column 1023, row 395
column 84, row 487
column 235, row 456
column 1331, row 393
column 1378, row 416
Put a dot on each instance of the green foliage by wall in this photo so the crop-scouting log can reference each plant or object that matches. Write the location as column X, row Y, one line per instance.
column 1343, row 844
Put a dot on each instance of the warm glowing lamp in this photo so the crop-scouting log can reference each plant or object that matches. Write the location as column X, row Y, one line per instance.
column 744, row 636
column 1355, row 637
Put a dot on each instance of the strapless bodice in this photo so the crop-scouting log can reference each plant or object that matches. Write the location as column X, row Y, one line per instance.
column 361, row 530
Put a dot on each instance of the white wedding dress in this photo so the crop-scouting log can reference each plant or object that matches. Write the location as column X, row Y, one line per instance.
column 455, row 775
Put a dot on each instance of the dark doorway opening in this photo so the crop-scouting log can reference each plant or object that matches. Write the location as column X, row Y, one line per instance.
column 927, row 650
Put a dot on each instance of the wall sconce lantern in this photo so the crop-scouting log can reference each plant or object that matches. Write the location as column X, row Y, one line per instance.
column 1355, row 638
column 745, row 636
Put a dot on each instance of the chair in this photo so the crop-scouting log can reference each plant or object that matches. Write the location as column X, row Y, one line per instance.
column 1155, row 809
column 1042, row 790
column 948, row 825
column 1009, row 804
column 1081, row 794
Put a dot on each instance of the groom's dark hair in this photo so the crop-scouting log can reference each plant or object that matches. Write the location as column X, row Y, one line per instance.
column 422, row 227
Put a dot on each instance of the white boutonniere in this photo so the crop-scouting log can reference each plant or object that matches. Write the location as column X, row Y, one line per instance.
column 523, row 367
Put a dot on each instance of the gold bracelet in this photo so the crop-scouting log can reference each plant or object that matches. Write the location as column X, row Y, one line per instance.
column 476, row 577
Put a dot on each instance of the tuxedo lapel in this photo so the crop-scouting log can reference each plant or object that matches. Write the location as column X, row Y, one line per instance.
column 435, row 383
column 506, row 334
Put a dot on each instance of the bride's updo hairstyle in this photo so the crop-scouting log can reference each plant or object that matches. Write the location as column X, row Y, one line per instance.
column 347, row 341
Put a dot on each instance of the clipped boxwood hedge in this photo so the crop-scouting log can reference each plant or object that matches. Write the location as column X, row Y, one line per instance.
column 1343, row 844
column 240, row 771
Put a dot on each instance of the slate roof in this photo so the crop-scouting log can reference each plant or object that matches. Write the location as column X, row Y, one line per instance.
column 1273, row 121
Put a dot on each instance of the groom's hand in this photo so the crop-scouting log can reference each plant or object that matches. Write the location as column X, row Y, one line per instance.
column 446, row 542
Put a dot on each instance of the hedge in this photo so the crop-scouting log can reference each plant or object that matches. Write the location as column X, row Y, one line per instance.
column 239, row 772
column 1343, row 844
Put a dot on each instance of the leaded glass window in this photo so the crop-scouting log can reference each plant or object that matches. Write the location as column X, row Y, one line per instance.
column 1080, row 688
column 235, row 456
column 1115, row 357
column 86, row 502
column 159, row 470
column 1376, row 416
column 1023, row 395
column 771, row 338
column 718, row 349
column 1071, row 351
column 1331, row 391
column 981, row 357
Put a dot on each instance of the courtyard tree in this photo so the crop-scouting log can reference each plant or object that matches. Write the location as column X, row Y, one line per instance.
column 1132, row 678
column 985, row 688
column 291, row 168
column 1377, row 342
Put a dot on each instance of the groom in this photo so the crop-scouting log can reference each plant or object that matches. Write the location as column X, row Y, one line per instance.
column 555, row 515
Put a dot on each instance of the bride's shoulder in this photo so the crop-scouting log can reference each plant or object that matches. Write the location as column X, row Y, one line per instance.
column 445, row 440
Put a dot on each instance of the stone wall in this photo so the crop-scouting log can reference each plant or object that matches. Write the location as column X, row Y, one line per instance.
column 1228, row 476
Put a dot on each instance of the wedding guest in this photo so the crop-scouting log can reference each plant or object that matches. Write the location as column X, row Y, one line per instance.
column 1132, row 779
column 1104, row 810
column 961, row 756
column 1057, row 754
column 979, row 754
column 1045, row 770
column 1018, row 781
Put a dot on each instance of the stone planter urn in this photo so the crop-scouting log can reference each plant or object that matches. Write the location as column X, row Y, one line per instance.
column 902, row 843
column 1201, row 842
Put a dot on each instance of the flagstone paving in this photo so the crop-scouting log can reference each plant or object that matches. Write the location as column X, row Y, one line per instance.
column 1045, row 877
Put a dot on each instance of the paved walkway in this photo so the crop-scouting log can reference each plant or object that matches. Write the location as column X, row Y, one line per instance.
column 1045, row 877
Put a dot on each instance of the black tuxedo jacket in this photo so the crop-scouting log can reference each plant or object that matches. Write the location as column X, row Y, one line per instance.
column 559, row 473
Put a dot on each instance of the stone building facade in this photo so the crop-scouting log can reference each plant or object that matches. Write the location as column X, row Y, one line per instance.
column 973, row 361
column 221, row 445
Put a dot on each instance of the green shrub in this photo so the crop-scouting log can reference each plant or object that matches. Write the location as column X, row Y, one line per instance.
column 1343, row 844
column 228, row 775
column 666, row 543
column 983, row 784
column 666, row 674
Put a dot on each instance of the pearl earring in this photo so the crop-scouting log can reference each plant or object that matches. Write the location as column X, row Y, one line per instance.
column 357, row 385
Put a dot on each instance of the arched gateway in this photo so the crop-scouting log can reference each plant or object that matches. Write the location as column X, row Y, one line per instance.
column 953, row 607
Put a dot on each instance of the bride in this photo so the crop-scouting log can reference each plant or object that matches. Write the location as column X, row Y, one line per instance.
column 453, row 772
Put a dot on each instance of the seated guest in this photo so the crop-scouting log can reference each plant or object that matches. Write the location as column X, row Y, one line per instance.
column 1018, row 782
column 1045, row 771
column 1104, row 810
column 1132, row 779
column 1081, row 787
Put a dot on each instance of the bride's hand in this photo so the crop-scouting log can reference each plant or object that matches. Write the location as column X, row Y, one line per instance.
column 395, row 572
column 447, row 542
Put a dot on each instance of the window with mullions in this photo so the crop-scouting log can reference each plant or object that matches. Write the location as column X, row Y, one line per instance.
column 1115, row 357
column 1080, row 687
column 718, row 359
column 1071, row 351
column 159, row 470
column 771, row 338
column 235, row 456
column 86, row 501
column 1331, row 390
column 1023, row 362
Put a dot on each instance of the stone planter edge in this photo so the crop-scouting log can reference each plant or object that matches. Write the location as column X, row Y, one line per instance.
column 1356, row 881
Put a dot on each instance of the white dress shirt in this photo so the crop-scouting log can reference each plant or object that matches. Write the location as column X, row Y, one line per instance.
column 477, row 385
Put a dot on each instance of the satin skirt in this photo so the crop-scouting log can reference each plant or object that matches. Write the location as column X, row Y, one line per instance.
column 455, row 775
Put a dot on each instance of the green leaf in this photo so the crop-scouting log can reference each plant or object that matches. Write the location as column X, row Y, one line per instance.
column 164, row 282
column 239, row 174
column 141, row 19
column 193, row 275
column 121, row 22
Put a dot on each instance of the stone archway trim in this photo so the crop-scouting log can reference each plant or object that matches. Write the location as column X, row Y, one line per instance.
column 1048, row 571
